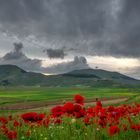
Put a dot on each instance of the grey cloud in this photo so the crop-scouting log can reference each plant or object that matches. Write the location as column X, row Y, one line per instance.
column 17, row 57
column 77, row 63
column 55, row 53
column 134, row 72
column 126, row 35
column 16, row 54
column 57, row 18
column 18, row 47
column 90, row 27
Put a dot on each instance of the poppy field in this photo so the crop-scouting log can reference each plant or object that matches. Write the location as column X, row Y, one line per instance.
column 74, row 121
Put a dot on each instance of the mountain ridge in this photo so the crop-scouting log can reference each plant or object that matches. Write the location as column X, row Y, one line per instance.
column 11, row 75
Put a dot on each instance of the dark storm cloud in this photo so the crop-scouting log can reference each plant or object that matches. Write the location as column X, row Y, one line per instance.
column 16, row 54
column 18, row 47
column 128, row 27
column 90, row 27
column 17, row 57
column 57, row 17
column 55, row 53
column 78, row 63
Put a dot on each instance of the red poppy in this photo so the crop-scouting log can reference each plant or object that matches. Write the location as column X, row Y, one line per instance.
column 77, row 107
column 40, row 117
column 46, row 121
column 10, row 117
column 135, row 127
column 69, row 107
column 79, row 99
column 3, row 120
column 114, row 130
column 57, row 111
column 102, row 123
column 12, row 135
column 80, row 114
column 90, row 112
column 98, row 104
column 4, row 129
column 29, row 117
column 32, row 117
column 58, row 121
column 87, row 121
column 16, row 123
column 124, row 127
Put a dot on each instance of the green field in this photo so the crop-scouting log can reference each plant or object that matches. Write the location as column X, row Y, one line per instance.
column 68, row 129
column 26, row 94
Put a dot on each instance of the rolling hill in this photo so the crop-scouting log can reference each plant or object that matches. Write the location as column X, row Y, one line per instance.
column 11, row 75
column 103, row 75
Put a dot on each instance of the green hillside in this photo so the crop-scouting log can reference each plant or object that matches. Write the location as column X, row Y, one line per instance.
column 11, row 75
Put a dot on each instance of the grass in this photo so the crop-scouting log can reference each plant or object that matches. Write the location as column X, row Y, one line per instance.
column 72, row 131
column 15, row 95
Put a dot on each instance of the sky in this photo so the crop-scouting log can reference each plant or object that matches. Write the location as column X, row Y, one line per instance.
column 57, row 36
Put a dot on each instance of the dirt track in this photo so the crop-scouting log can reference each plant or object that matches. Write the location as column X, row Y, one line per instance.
column 111, row 101
column 50, row 104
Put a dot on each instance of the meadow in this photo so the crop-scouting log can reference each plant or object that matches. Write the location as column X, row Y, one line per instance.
column 29, row 94
column 73, row 120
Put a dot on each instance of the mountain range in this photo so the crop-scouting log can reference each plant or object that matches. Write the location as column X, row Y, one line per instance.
column 11, row 75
